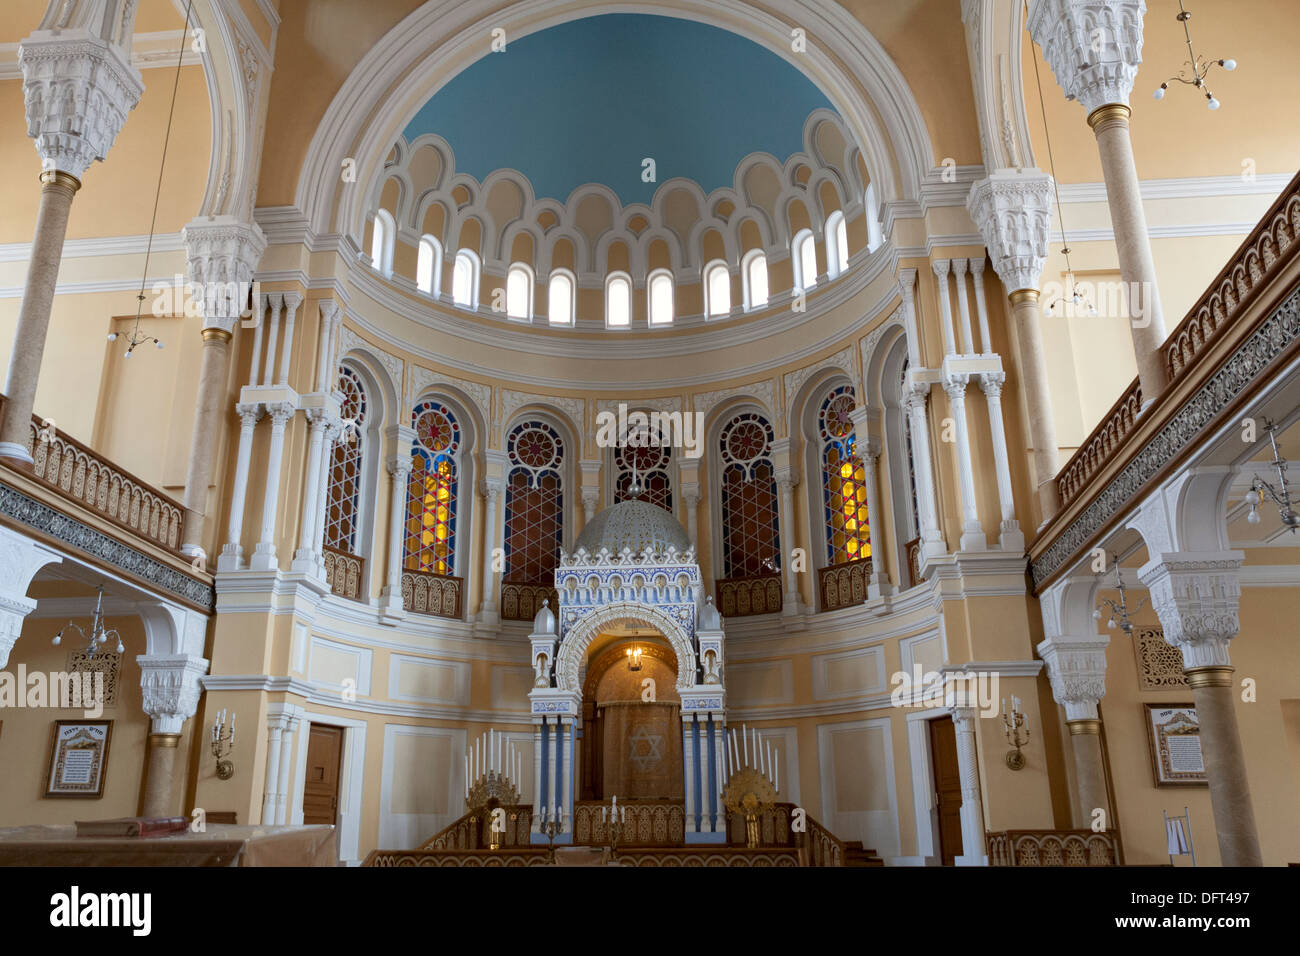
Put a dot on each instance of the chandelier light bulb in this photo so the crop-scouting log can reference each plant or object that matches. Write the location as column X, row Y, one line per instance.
column 58, row 639
column 112, row 336
column 1111, row 624
column 1252, row 517
column 1214, row 104
column 1160, row 92
column 127, row 354
column 1096, row 614
column 1253, row 498
column 1228, row 65
column 158, row 344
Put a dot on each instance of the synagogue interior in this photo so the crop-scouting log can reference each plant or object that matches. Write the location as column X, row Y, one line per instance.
column 707, row 433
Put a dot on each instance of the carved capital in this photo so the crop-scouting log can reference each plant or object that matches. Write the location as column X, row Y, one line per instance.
column 222, row 254
column 1197, row 600
column 1093, row 46
column 1077, row 672
column 1012, row 209
column 170, row 685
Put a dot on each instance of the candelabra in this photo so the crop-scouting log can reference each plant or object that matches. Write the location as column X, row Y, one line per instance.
column 1080, row 300
column 550, row 826
column 1200, row 65
column 1281, row 495
column 1118, row 610
column 615, row 817
column 1013, row 721
column 98, row 633
column 223, row 742
column 634, row 657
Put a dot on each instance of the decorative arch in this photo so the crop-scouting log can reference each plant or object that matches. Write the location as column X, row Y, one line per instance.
column 579, row 636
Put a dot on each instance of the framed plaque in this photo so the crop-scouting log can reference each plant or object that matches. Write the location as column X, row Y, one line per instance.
column 78, row 758
column 1174, row 733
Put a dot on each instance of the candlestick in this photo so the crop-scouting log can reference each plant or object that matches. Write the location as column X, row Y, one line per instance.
column 776, row 771
column 745, row 739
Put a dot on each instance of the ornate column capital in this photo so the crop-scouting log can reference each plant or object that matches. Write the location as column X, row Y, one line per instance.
column 222, row 254
column 78, row 84
column 941, row 267
column 249, row 413
column 787, row 478
column 1076, row 668
column 1197, row 595
column 171, row 688
column 955, row 385
column 1013, row 211
column 491, row 488
column 280, row 412
column 1093, row 46
column 991, row 383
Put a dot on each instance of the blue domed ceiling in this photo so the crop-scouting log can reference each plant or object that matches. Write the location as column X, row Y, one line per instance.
column 587, row 101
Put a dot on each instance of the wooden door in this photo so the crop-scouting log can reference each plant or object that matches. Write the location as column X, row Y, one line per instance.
column 320, row 798
column 947, row 785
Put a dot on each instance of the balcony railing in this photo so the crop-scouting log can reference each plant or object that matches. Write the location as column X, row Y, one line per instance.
column 1054, row 848
column 88, row 479
column 436, row 594
column 1270, row 246
column 343, row 573
column 844, row 585
column 521, row 602
column 743, row 597
column 913, row 551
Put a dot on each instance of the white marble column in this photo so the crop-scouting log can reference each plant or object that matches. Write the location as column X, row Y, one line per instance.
column 981, row 305
column 332, row 434
column 1013, row 211
column 932, row 540
column 941, row 268
column 78, row 87
column 276, row 301
column 282, row 802
column 291, row 302
column 1010, row 537
column 305, row 558
column 274, row 754
column 972, row 807
column 170, row 689
column 264, row 557
column 491, row 490
column 690, row 769
column 566, row 729
column 232, row 552
column 399, row 471
column 1094, row 48
column 691, row 499
column 720, row 772
column 972, row 533
column 330, row 317
column 963, row 306
column 538, row 805
column 786, row 480
column 1076, row 668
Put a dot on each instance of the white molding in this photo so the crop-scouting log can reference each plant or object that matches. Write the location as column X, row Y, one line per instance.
column 883, row 836
column 407, row 830
column 1190, row 187
column 460, row 677
column 148, row 51
column 737, row 703
column 819, row 663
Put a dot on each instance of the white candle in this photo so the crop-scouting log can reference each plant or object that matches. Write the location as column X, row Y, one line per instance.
column 745, row 739
column 776, row 771
column 466, row 776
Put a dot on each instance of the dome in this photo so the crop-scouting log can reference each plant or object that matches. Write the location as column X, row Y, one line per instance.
column 633, row 524
column 544, row 621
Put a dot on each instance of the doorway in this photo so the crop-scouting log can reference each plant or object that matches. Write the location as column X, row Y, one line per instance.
column 947, row 785
column 320, row 795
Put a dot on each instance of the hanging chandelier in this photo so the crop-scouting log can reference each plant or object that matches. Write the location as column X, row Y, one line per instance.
column 1118, row 609
column 1281, row 495
column 1200, row 65
column 634, row 657
column 98, row 633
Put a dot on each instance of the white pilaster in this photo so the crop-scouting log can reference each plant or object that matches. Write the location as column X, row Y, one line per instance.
column 941, row 268
column 972, row 533
column 1010, row 538
column 291, row 302
column 276, row 301
column 232, row 552
column 399, row 472
column 264, row 558
column 786, row 479
column 972, row 807
column 963, row 306
column 306, row 559
column 690, row 769
column 491, row 489
column 981, row 305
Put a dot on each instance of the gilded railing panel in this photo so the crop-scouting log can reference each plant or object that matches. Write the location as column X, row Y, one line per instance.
column 343, row 573
column 1053, row 848
column 843, row 585
column 469, row 833
column 435, row 594
column 743, row 597
column 521, row 602
column 645, row 823
column 88, row 479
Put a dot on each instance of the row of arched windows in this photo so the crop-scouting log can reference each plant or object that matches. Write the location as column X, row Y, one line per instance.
column 561, row 289
column 536, row 499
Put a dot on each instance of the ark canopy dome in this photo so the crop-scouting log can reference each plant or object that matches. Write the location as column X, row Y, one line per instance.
column 634, row 524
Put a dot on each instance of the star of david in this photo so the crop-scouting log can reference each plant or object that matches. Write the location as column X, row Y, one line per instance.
column 647, row 749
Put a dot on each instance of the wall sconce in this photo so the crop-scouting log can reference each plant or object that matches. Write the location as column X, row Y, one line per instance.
column 634, row 657
column 223, row 742
column 1014, row 722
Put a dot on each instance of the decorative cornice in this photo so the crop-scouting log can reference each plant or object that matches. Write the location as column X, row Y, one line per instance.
column 1013, row 211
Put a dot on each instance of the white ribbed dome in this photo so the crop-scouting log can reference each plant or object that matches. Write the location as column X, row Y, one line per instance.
column 633, row 524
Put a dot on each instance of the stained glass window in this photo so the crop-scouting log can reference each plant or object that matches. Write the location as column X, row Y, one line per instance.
column 342, row 498
column 751, row 543
column 430, row 531
column 534, row 503
column 653, row 463
column 843, row 480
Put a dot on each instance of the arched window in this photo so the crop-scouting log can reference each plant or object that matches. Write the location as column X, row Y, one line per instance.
column 660, row 292
column 751, row 541
column 464, row 280
column 871, row 208
column 430, row 532
column 653, row 472
column 381, row 241
column 805, row 260
column 618, row 301
column 915, row 527
column 717, row 289
column 843, row 480
column 428, row 266
column 560, row 298
column 519, row 292
column 343, row 496
column 534, row 522
column 755, row 272
column 837, row 244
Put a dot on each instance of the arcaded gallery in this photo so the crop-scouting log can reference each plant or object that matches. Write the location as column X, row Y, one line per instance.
column 705, row 433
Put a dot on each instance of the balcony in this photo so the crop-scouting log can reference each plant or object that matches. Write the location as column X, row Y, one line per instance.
column 343, row 573
column 521, row 602
column 78, row 500
column 843, row 585
column 1244, row 327
column 743, row 597
column 436, row 594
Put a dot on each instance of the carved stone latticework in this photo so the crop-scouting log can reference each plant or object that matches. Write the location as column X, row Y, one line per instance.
column 105, row 662
column 1093, row 46
column 1159, row 665
column 1012, row 209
